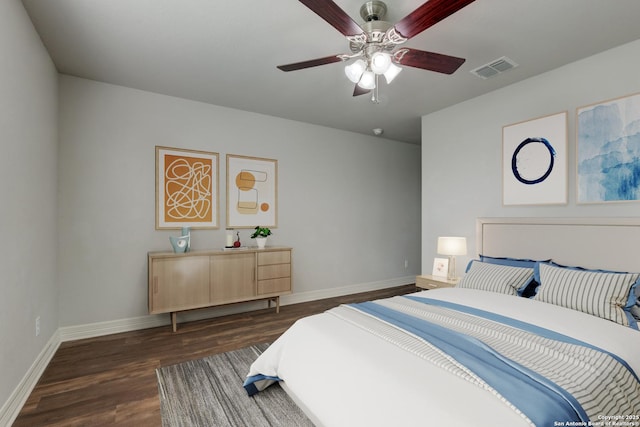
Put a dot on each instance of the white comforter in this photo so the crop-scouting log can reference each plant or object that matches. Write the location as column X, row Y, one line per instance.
column 344, row 376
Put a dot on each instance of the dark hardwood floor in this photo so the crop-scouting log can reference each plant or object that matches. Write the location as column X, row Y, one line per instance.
column 111, row 380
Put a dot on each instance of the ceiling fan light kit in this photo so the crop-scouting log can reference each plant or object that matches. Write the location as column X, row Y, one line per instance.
column 374, row 44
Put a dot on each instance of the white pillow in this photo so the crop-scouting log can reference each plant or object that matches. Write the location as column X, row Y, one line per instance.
column 602, row 294
column 498, row 278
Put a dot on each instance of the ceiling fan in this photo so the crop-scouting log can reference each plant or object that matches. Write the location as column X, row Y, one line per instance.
column 376, row 44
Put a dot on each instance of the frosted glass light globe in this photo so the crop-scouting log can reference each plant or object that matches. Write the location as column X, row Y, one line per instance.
column 380, row 62
column 355, row 70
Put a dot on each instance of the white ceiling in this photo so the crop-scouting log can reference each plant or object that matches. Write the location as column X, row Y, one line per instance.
column 226, row 52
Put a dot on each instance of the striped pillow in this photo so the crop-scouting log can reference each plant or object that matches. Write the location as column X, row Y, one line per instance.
column 602, row 294
column 496, row 278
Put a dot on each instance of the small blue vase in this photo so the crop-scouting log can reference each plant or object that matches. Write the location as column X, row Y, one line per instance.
column 186, row 232
column 180, row 244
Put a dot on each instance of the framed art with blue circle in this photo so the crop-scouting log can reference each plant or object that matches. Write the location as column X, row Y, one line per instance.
column 534, row 161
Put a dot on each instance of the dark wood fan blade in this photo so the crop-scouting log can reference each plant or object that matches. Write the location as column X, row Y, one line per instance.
column 430, row 13
column 334, row 15
column 428, row 60
column 357, row 91
column 310, row 63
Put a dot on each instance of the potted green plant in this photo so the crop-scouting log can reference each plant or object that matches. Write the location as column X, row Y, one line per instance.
column 261, row 234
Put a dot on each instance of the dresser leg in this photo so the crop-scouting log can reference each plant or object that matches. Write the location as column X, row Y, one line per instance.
column 277, row 301
column 174, row 323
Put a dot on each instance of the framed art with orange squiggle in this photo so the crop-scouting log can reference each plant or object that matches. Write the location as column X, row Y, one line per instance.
column 252, row 192
column 186, row 188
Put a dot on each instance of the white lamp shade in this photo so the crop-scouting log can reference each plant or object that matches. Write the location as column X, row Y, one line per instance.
column 380, row 62
column 392, row 72
column 355, row 70
column 452, row 245
column 368, row 80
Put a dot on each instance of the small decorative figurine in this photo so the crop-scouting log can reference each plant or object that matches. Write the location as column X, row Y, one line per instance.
column 237, row 243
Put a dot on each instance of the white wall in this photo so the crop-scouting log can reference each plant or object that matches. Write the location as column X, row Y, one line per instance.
column 348, row 204
column 462, row 146
column 28, row 140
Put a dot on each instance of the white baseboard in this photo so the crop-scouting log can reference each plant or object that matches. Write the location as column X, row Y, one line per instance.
column 10, row 410
column 90, row 330
column 346, row 290
column 98, row 329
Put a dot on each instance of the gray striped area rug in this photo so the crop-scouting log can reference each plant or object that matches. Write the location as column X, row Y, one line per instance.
column 209, row 392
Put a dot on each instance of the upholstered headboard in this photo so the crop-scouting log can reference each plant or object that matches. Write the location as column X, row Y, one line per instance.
column 605, row 243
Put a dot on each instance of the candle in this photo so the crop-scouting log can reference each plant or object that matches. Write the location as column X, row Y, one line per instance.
column 229, row 238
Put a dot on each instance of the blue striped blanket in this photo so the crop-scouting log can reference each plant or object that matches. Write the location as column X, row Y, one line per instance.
column 544, row 376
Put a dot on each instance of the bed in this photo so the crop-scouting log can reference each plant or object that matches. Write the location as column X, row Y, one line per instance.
column 534, row 334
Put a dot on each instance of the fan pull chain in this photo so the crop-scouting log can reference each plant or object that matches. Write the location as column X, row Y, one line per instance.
column 374, row 93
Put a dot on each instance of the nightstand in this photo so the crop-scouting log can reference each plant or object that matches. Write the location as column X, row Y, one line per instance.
column 433, row 282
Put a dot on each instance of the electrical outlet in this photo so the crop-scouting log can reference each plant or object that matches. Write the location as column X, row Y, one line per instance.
column 406, row 263
column 38, row 326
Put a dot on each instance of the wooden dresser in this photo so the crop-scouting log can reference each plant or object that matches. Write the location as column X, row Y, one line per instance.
column 199, row 279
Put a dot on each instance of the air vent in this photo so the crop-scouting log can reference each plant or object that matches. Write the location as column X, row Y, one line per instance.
column 494, row 68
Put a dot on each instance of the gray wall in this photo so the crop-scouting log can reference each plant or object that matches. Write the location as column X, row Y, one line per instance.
column 348, row 204
column 462, row 147
column 28, row 138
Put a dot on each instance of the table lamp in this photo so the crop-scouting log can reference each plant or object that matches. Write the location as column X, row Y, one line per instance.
column 452, row 246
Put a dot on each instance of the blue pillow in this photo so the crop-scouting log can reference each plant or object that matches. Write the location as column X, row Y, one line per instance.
column 512, row 262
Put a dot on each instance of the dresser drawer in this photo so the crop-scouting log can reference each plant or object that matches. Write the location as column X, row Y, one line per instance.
column 275, row 257
column 270, row 286
column 274, row 271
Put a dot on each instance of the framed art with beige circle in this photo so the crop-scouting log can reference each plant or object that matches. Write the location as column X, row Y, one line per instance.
column 252, row 192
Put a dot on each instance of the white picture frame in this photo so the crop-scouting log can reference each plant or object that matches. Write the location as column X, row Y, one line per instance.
column 534, row 161
column 252, row 192
column 606, row 164
column 440, row 267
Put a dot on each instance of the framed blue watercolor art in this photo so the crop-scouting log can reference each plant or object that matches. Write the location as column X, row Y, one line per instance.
column 608, row 151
